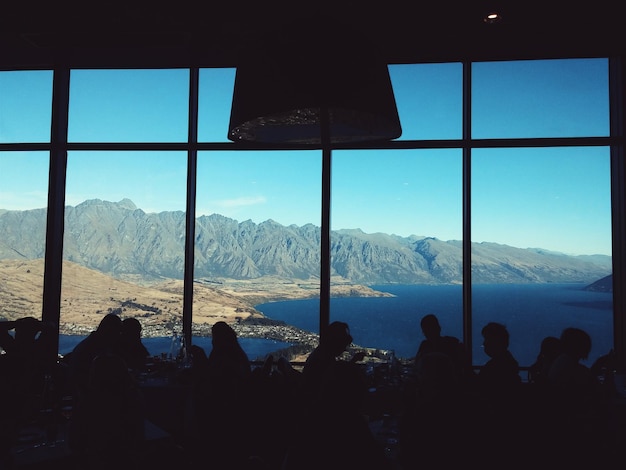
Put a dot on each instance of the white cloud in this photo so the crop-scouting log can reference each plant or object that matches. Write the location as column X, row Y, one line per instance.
column 240, row 202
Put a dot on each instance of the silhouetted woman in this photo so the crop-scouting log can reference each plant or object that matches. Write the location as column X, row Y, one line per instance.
column 221, row 397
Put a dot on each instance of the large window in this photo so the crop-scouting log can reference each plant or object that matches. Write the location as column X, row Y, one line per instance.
column 539, row 243
column 540, row 98
column 515, row 209
column 257, row 238
column 25, row 113
column 396, row 226
column 541, row 217
column 23, row 189
column 124, row 240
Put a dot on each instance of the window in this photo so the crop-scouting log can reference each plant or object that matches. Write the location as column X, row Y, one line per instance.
column 25, row 106
column 23, row 191
column 540, row 242
column 429, row 98
column 124, row 240
column 25, row 113
column 128, row 106
column 257, row 236
column 540, row 98
column 532, row 184
column 397, row 226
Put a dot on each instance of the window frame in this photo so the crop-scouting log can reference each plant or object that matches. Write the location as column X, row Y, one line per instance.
column 59, row 146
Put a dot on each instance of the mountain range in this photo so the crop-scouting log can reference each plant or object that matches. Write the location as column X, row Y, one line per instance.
column 123, row 241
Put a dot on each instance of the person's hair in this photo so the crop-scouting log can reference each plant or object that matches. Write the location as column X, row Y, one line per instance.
column 337, row 333
column 550, row 346
column 27, row 327
column 131, row 325
column 223, row 334
column 430, row 325
column 496, row 333
column 110, row 324
column 576, row 342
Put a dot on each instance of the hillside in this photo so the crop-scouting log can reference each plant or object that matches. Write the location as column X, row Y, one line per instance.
column 87, row 295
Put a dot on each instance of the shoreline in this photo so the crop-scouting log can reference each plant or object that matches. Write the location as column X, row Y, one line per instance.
column 302, row 342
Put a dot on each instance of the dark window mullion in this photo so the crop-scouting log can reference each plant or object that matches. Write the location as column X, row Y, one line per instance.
column 56, row 202
column 190, row 225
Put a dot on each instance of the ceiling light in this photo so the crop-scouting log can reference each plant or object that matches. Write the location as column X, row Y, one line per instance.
column 492, row 18
column 308, row 78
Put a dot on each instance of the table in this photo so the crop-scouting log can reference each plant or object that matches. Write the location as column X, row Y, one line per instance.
column 168, row 398
column 37, row 448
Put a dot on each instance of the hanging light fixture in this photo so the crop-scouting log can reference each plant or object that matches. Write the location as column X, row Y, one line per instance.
column 310, row 79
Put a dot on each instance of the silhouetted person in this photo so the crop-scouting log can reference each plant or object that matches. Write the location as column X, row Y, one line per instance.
column 131, row 347
column 273, row 386
column 501, row 371
column 498, row 387
column 578, row 404
column 567, row 369
column 335, row 434
column 604, row 368
column 548, row 352
column 27, row 359
column 221, row 399
column 106, row 429
column 437, row 428
column 334, row 340
column 436, row 342
column 28, row 354
column 227, row 358
column 104, row 339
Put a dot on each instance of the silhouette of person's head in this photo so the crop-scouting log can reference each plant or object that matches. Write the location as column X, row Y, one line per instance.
column 223, row 335
column 550, row 347
column 131, row 328
column 495, row 339
column 336, row 337
column 110, row 327
column 430, row 326
column 576, row 343
column 26, row 328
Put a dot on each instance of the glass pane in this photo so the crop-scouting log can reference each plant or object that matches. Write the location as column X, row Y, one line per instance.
column 541, row 232
column 25, row 106
column 396, row 229
column 124, row 241
column 257, row 246
column 429, row 98
column 215, row 96
column 129, row 106
column 23, row 212
column 540, row 98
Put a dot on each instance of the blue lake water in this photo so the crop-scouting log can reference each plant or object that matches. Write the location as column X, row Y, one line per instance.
column 529, row 311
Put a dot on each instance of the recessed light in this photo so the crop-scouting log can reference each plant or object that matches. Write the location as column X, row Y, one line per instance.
column 492, row 18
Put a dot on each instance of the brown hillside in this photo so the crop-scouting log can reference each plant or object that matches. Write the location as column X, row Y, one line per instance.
column 87, row 295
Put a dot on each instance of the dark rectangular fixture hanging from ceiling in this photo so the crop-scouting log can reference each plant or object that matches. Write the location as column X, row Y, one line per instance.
column 291, row 78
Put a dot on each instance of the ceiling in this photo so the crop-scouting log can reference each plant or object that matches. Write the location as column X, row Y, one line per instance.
column 122, row 33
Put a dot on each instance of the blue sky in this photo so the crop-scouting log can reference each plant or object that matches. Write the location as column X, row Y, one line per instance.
column 555, row 199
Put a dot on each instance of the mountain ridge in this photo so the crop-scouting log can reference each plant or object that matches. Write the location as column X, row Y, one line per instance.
column 123, row 241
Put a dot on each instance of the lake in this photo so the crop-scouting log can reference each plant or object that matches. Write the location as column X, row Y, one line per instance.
column 529, row 311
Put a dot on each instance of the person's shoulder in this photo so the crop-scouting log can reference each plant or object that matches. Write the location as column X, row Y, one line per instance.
column 452, row 340
column 509, row 359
